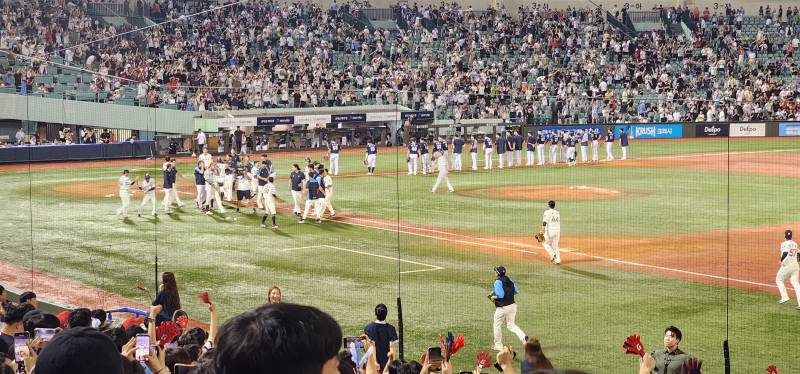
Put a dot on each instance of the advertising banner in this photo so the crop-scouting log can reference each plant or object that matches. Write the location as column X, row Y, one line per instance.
column 272, row 121
column 719, row 130
column 343, row 118
column 652, row 131
column 231, row 123
column 748, row 129
column 789, row 129
column 569, row 128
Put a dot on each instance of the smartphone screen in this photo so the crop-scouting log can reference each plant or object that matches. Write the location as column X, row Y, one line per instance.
column 435, row 356
column 142, row 347
column 21, row 346
column 349, row 341
column 44, row 334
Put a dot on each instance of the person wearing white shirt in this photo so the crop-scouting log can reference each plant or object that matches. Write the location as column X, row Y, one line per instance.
column 327, row 181
column 148, row 188
column 551, row 229
column 206, row 158
column 442, row 167
column 124, row 194
column 268, row 194
column 201, row 141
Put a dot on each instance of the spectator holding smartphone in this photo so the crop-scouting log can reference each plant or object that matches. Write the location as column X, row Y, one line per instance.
column 383, row 334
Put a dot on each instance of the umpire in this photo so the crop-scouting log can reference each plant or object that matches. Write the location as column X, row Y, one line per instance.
column 505, row 308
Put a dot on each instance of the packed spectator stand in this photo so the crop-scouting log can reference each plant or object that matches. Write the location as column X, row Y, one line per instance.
column 539, row 65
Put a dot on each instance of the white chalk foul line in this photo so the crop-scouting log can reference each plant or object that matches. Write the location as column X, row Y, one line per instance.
column 568, row 250
column 428, row 266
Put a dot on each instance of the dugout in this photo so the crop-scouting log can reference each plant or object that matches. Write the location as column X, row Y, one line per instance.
column 306, row 128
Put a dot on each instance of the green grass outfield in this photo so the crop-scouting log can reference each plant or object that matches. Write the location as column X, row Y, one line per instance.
column 581, row 311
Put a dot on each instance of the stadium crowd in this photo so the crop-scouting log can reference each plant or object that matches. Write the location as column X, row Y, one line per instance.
column 275, row 338
column 541, row 64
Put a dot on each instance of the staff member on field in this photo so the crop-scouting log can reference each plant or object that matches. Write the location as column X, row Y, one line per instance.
column 505, row 308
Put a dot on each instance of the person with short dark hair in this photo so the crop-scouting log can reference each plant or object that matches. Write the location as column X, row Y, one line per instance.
column 12, row 322
column 670, row 359
column 29, row 298
column 535, row 359
column 504, row 290
column 383, row 334
column 278, row 338
column 79, row 350
column 81, row 317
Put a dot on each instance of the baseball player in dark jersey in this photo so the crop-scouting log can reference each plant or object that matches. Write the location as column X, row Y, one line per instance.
column 501, row 143
column 570, row 139
column 371, row 156
column 473, row 152
column 518, row 147
column 609, row 144
column 426, row 156
column 584, row 139
column 553, row 140
column 458, row 147
column 413, row 156
column 530, row 144
column 200, row 183
column 541, row 139
column 333, row 156
column 623, row 142
column 595, row 134
column 437, row 147
column 488, row 148
column 314, row 192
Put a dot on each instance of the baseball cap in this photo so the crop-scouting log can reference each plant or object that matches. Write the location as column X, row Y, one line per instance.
column 79, row 350
column 500, row 270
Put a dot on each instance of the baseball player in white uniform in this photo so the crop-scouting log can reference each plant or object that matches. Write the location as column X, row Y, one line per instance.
column 327, row 181
column 206, row 158
column 790, row 268
column 213, row 184
column 371, row 155
column 609, row 144
column 584, row 140
column 148, row 187
column 595, row 134
column 268, row 194
column 333, row 156
column 442, row 177
column 413, row 156
column 124, row 194
column 554, row 139
column 551, row 228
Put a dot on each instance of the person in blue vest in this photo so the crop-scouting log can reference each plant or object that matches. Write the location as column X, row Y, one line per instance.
column 371, row 156
column 609, row 143
column 458, row 147
column 505, row 311
column 333, row 156
column 530, row 147
column 488, row 149
column 313, row 193
column 501, row 142
column 412, row 156
column 623, row 142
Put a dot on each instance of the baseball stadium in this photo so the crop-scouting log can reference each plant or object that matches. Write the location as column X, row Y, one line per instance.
column 193, row 186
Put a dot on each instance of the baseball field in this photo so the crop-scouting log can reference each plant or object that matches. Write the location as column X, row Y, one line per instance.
column 684, row 233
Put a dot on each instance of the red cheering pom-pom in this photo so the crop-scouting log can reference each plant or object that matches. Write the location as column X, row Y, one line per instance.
column 457, row 344
column 167, row 332
column 633, row 346
column 484, row 359
column 772, row 369
column 204, row 298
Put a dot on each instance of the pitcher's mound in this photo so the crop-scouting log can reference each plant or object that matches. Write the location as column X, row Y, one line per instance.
column 543, row 193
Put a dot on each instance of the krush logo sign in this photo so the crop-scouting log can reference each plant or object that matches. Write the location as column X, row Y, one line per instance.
column 715, row 130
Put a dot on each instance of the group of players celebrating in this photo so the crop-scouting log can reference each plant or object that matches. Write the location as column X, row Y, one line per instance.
column 509, row 146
